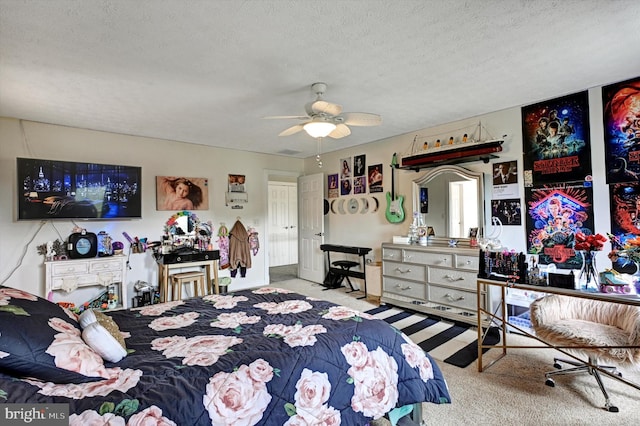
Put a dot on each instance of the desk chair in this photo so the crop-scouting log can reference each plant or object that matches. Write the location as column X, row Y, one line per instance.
column 571, row 321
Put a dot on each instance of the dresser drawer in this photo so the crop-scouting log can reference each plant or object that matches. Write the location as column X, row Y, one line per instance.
column 454, row 278
column 102, row 279
column 404, row 288
column 425, row 258
column 63, row 268
column 471, row 263
column 404, row 271
column 105, row 265
column 452, row 297
column 391, row 254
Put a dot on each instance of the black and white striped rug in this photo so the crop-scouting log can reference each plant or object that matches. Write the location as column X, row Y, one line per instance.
column 451, row 343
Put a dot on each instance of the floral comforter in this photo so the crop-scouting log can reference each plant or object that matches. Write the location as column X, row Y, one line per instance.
column 264, row 356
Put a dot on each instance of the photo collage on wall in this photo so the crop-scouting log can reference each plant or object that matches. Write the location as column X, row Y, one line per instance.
column 621, row 120
column 355, row 178
column 505, row 198
column 557, row 178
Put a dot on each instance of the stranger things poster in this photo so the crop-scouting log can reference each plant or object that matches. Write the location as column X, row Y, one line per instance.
column 621, row 116
column 555, row 215
column 555, row 136
column 625, row 219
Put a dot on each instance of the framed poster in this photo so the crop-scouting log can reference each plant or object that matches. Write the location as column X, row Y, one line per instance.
column 625, row 219
column 554, row 215
column 359, row 165
column 555, row 136
column 621, row 116
column 182, row 193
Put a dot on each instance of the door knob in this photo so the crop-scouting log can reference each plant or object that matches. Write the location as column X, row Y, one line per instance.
column 319, row 234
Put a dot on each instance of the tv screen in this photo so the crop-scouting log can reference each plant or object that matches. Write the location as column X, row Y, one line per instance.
column 49, row 189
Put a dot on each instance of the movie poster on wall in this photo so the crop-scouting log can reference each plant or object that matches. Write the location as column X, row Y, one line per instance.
column 624, row 199
column 556, row 142
column 554, row 215
column 621, row 117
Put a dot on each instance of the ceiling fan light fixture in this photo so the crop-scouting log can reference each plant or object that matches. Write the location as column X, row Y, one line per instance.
column 319, row 129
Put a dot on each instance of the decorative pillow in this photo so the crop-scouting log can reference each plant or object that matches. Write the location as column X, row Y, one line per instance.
column 102, row 340
column 39, row 339
column 102, row 334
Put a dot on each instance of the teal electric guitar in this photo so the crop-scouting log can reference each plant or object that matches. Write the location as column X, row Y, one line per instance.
column 395, row 211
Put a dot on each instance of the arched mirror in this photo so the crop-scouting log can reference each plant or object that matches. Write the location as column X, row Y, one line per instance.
column 450, row 200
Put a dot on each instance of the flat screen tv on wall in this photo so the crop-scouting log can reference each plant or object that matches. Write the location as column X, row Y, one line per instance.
column 49, row 189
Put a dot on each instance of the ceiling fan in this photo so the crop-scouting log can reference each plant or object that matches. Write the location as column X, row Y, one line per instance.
column 327, row 119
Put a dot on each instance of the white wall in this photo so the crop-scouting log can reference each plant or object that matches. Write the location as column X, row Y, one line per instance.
column 370, row 230
column 22, row 267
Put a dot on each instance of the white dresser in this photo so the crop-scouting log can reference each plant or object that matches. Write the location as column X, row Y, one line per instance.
column 434, row 280
column 86, row 278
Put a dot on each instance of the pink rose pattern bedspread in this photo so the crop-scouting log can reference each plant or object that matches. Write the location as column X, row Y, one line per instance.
column 265, row 356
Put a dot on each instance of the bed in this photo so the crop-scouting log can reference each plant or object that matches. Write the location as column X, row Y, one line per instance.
column 262, row 356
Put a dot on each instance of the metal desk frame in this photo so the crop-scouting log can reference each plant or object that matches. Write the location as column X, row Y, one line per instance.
column 484, row 286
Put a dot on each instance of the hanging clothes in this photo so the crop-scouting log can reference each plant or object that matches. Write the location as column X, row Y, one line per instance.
column 254, row 242
column 223, row 246
column 239, row 249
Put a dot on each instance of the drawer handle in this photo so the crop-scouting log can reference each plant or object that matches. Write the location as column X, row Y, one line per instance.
column 452, row 278
column 390, row 255
column 70, row 269
column 468, row 262
column 408, row 256
column 403, row 288
column 444, row 260
column 403, row 272
column 453, row 299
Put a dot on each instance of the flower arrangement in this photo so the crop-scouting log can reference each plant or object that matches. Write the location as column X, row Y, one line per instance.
column 588, row 245
column 593, row 242
column 629, row 251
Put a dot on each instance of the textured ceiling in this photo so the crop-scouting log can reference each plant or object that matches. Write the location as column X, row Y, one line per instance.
column 206, row 72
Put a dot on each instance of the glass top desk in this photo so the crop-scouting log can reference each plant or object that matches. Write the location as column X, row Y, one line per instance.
column 500, row 318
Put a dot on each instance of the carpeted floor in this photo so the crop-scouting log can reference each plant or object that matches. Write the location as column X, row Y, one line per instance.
column 512, row 391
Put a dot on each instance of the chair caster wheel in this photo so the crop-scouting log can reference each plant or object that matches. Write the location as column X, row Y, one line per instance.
column 612, row 409
column 550, row 383
column 557, row 365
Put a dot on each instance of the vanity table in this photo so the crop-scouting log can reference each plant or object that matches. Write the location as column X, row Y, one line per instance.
column 185, row 245
column 172, row 261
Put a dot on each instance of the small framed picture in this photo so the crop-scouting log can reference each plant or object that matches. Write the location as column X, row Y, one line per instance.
column 473, row 232
column 430, row 231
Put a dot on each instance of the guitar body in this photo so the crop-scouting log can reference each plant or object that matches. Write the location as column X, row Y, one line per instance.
column 395, row 210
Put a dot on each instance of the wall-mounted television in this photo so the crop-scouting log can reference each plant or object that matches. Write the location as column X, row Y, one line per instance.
column 49, row 189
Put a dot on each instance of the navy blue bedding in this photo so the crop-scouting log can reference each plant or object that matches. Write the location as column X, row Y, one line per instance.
column 263, row 356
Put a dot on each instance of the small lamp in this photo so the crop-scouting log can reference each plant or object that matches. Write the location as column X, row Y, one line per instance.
column 319, row 129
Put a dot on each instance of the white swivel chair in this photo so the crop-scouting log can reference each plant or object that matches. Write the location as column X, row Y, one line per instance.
column 571, row 321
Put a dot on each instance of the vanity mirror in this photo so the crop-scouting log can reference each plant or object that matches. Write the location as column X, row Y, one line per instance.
column 450, row 200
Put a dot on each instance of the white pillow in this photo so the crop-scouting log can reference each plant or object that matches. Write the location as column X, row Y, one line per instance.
column 87, row 317
column 101, row 341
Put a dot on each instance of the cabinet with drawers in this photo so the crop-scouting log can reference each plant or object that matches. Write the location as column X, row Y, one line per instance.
column 434, row 280
column 80, row 280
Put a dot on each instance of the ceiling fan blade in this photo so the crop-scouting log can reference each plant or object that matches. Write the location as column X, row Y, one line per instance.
column 291, row 130
column 361, row 119
column 277, row 117
column 324, row 107
column 340, row 131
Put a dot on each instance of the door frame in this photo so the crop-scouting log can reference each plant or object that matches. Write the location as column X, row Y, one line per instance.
column 271, row 175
